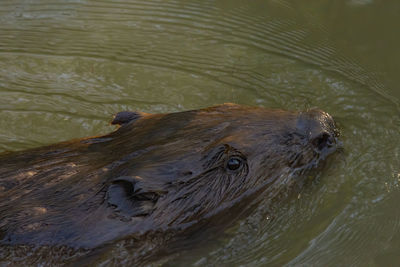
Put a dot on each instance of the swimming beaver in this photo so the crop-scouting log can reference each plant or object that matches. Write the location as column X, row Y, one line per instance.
column 157, row 172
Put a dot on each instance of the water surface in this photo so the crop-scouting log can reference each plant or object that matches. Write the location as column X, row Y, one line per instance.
column 67, row 66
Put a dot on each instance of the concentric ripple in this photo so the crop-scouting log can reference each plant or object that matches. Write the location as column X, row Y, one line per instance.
column 67, row 66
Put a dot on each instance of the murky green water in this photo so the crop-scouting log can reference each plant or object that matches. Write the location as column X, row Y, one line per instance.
column 67, row 66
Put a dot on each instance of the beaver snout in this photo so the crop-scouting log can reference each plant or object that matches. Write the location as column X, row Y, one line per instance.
column 323, row 140
column 319, row 128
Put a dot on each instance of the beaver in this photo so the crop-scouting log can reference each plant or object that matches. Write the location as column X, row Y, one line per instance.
column 156, row 172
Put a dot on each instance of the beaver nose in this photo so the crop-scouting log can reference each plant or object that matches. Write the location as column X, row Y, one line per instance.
column 322, row 141
column 319, row 128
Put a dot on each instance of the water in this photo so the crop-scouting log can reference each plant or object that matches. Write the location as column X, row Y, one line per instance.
column 67, row 66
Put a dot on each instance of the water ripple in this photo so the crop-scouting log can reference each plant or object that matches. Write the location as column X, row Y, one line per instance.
column 72, row 64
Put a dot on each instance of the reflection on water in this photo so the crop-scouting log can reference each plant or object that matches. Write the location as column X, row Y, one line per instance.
column 66, row 67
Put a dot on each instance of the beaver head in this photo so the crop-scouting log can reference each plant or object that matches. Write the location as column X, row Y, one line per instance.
column 193, row 163
column 161, row 171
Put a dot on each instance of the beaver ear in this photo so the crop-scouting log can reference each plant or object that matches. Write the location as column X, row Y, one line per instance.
column 128, row 197
column 124, row 117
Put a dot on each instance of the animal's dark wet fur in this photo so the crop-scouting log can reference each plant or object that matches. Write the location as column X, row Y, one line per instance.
column 158, row 173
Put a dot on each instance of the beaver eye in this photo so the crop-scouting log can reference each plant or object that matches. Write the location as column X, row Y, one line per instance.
column 234, row 163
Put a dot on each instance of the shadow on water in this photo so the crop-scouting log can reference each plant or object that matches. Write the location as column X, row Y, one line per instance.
column 70, row 65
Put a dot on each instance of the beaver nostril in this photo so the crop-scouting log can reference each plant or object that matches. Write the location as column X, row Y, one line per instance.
column 323, row 140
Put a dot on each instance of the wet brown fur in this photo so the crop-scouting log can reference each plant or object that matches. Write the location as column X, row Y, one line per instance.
column 157, row 172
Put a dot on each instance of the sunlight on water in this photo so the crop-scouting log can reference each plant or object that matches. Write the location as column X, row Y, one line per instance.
column 67, row 67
